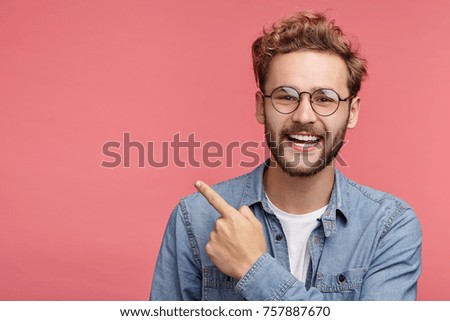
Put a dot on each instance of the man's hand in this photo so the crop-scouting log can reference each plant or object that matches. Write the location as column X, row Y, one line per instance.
column 237, row 240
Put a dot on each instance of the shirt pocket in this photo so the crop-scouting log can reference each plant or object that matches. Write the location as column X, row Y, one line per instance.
column 345, row 285
column 218, row 286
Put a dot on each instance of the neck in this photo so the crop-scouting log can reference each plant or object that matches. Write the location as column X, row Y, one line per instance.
column 301, row 194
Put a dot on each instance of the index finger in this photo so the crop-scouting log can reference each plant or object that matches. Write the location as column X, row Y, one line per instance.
column 214, row 199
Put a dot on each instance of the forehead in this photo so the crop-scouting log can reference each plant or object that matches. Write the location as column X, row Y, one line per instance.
column 308, row 70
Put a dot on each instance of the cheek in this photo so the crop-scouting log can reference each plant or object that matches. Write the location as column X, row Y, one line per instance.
column 336, row 121
column 334, row 127
column 274, row 123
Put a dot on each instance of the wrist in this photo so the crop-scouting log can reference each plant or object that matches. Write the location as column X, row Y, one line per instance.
column 244, row 268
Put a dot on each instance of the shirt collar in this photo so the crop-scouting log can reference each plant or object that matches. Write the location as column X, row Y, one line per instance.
column 338, row 205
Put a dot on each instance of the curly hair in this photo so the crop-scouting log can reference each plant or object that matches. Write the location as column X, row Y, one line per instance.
column 307, row 30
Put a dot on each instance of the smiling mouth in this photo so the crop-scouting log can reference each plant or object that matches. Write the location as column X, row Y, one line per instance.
column 304, row 141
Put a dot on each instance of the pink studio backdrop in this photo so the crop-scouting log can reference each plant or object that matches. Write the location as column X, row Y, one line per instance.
column 77, row 74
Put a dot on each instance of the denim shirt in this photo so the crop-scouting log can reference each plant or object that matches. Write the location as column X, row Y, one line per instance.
column 366, row 246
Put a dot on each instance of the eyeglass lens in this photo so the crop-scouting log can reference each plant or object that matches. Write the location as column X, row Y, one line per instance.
column 286, row 100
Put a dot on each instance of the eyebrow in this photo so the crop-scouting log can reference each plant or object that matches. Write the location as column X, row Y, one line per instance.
column 312, row 89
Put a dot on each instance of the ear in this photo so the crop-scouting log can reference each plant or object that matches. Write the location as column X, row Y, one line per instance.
column 354, row 112
column 259, row 99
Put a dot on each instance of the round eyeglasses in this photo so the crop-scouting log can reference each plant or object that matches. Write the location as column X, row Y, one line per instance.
column 324, row 102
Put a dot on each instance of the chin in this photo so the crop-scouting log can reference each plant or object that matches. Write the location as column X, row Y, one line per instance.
column 303, row 171
column 295, row 169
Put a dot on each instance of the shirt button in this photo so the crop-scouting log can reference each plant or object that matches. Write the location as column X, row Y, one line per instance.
column 279, row 237
column 341, row 278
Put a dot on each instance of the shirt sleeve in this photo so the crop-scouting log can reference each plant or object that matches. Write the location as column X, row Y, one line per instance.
column 176, row 275
column 267, row 280
column 396, row 267
column 392, row 274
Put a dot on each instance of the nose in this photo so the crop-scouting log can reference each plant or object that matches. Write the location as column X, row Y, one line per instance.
column 304, row 113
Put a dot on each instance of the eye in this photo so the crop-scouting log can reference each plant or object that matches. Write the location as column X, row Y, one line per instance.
column 285, row 94
column 287, row 97
column 324, row 99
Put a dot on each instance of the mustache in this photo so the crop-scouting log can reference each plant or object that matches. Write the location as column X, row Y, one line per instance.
column 296, row 128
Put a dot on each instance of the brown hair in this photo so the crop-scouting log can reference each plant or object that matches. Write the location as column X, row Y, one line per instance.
column 307, row 30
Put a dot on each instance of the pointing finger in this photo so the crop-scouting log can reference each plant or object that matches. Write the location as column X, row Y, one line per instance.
column 214, row 199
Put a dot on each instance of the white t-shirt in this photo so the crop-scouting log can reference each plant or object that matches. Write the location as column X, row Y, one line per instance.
column 297, row 229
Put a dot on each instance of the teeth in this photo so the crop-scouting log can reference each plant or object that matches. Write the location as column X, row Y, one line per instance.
column 304, row 145
column 305, row 137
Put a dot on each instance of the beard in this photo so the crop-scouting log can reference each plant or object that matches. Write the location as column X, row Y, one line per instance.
column 329, row 148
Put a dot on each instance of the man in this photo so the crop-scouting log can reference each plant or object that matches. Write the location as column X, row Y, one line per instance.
column 294, row 228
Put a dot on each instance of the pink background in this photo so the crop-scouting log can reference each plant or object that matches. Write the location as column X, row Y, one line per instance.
column 76, row 74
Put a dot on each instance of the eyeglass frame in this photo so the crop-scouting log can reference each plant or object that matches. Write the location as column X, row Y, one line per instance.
column 310, row 99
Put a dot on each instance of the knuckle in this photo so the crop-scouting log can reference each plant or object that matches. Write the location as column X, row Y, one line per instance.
column 208, row 248
column 244, row 209
column 246, row 212
column 219, row 224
